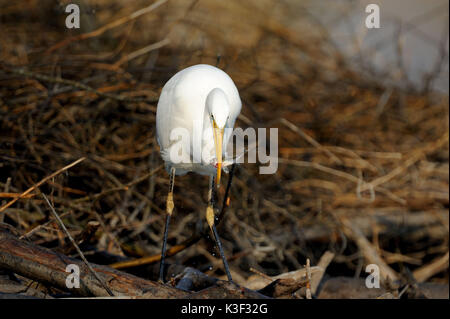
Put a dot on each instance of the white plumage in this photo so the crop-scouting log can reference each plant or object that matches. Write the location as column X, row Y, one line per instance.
column 198, row 99
column 203, row 101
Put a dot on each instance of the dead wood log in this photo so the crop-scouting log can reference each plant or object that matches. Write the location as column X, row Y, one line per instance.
column 47, row 266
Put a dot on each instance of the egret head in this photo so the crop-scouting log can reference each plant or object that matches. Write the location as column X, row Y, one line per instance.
column 219, row 111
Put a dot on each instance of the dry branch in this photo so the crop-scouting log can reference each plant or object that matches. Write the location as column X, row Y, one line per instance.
column 324, row 261
column 436, row 266
column 46, row 266
column 49, row 267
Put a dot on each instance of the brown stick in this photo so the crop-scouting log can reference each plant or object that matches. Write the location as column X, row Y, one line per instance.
column 14, row 195
column 80, row 253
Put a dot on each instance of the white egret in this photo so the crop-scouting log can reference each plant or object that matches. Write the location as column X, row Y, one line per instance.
column 204, row 102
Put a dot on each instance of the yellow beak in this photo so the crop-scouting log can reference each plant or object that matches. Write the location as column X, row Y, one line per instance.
column 218, row 141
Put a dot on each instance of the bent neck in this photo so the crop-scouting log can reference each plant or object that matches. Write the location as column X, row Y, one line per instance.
column 217, row 105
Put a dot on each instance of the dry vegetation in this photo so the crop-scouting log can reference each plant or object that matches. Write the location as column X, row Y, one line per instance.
column 363, row 174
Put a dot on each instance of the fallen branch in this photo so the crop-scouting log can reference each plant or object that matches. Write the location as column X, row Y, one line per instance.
column 46, row 266
column 49, row 267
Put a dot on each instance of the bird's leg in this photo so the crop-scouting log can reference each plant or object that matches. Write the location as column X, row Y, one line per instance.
column 169, row 209
column 210, row 218
column 226, row 198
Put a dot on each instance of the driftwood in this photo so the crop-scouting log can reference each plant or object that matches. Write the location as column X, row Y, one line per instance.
column 49, row 267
